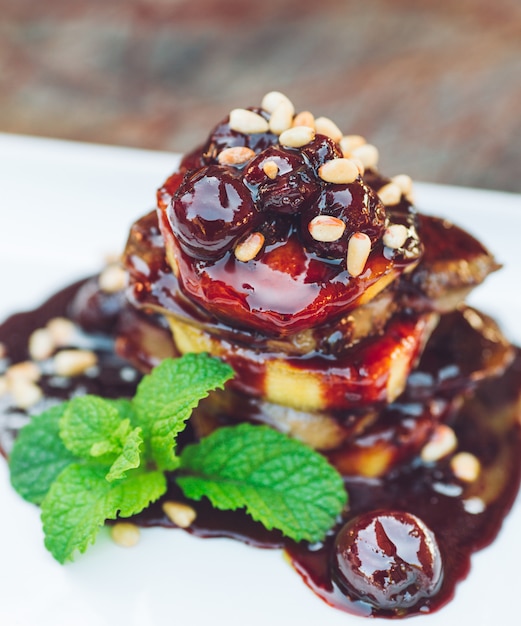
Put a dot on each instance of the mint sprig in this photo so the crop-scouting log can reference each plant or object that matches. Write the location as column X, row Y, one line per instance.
column 281, row 482
column 92, row 459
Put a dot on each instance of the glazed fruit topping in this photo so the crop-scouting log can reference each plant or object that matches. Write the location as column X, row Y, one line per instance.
column 389, row 559
column 293, row 186
column 295, row 202
column 355, row 205
column 211, row 210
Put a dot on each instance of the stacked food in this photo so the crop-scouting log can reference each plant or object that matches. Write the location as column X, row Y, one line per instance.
column 290, row 257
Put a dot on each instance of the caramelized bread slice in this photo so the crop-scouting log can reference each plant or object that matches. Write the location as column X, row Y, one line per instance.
column 374, row 371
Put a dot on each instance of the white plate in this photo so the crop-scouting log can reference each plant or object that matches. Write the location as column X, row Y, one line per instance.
column 63, row 206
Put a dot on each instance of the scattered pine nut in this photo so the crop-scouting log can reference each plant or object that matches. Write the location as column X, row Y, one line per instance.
column 125, row 534
column 41, row 344
column 235, row 155
column 281, row 118
column 304, row 118
column 326, row 228
column 25, row 371
column 442, row 442
column 272, row 100
column 25, row 393
column 474, row 505
column 74, row 362
column 297, row 136
column 244, row 121
column 112, row 279
column 249, row 248
column 339, row 171
column 62, row 331
column 395, row 236
column 358, row 250
column 367, row 153
column 180, row 514
column 325, row 126
column 348, row 143
column 271, row 169
column 465, row 466
column 390, row 194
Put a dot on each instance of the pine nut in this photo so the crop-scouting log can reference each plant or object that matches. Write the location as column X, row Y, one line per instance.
column 395, row 236
column 271, row 169
column 180, row 514
column 41, row 344
column 26, row 371
column 235, row 155
column 404, row 182
column 125, row 534
column 325, row 126
column 247, row 122
column 474, row 505
column 326, row 228
column 465, row 466
column 112, row 279
column 304, row 118
column 281, row 118
column 368, row 154
column 272, row 100
column 390, row 194
column 339, row 171
column 62, row 330
column 297, row 136
column 25, row 393
column 249, row 248
column 359, row 165
column 74, row 362
column 442, row 442
column 349, row 142
column 358, row 250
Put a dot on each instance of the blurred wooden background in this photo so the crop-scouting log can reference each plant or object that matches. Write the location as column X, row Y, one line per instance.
column 435, row 85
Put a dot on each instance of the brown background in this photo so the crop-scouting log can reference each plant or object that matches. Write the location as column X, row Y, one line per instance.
column 436, row 85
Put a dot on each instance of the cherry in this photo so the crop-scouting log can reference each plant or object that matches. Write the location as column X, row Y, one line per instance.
column 356, row 205
column 210, row 210
column 223, row 137
column 320, row 150
column 292, row 186
column 389, row 559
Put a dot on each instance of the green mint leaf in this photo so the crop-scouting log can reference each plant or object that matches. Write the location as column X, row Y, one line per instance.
column 281, row 482
column 123, row 407
column 81, row 499
column 166, row 398
column 93, row 427
column 39, row 455
column 129, row 458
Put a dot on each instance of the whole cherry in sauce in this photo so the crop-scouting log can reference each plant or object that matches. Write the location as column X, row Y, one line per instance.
column 211, row 210
column 389, row 559
column 280, row 180
column 356, row 205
